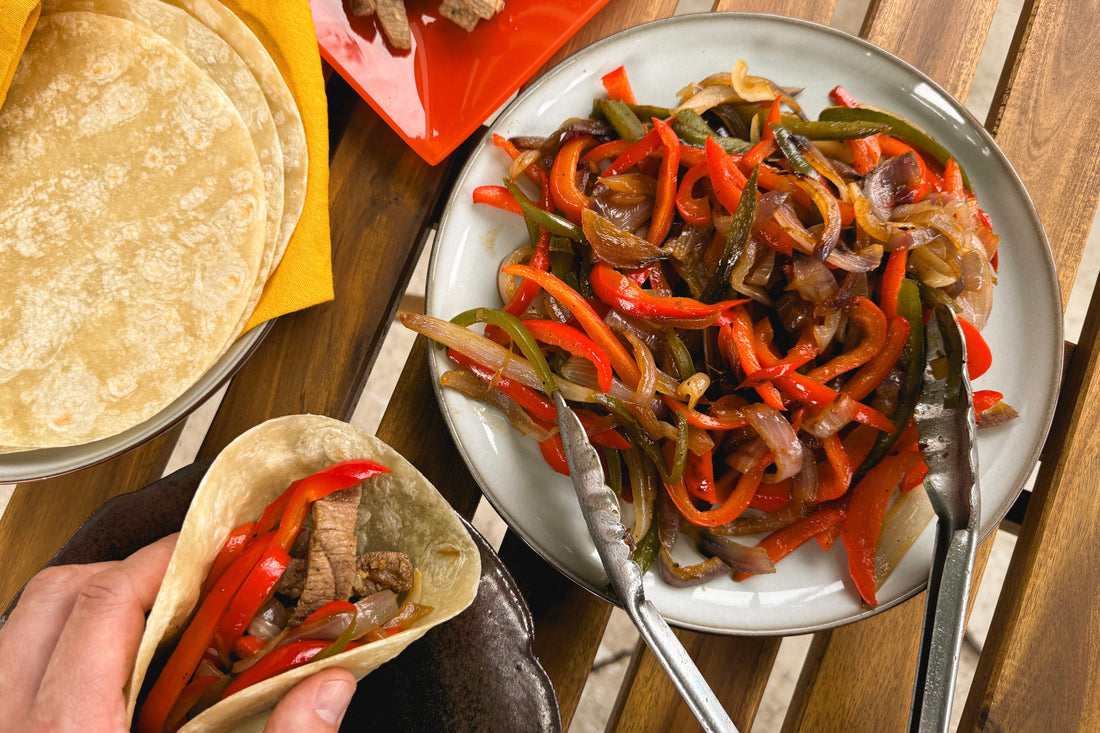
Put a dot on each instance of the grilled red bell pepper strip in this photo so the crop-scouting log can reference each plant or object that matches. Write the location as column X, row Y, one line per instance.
column 234, row 546
column 872, row 322
column 590, row 321
column 194, row 642
column 699, row 476
column 984, row 399
column 740, row 330
column 664, row 203
column 772, row 497
column 694, row 210
column 188, row 699
column 734, row 505
column 569, row 199
column 575, row 342
column 635, row 154
column 802, row 388
column 726, row 179
column 277, row 661
column 619, row 291
column 842, row 97
column 618, row 86
column 866, row 510
column 335, row 478
column 978, row 356
column 604, row 151
column 526, row 292
column 840, row 465
column 874, row 371
column 866, row 152
column 553, row 452
column 784, row 541
column 497, row 196
column 527, row 398
column 952, row 178
column 892, row 275
column 248, row 645
column 802, row 353
column 252, row 594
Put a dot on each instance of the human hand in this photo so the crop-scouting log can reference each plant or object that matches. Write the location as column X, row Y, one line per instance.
column 67, row 650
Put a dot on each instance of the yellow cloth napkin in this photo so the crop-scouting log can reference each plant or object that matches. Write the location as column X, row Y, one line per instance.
column 17, row 19
column 304, row 277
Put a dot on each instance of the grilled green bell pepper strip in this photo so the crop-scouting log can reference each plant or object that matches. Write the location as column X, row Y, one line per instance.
column 645, row 442
column 736, row 240
column 786, row 143
column 621, row 118
column 694, row 131
column 820, row 129
column 520, row 336
column 899, row 127
column 541, row 218
column 645, row 554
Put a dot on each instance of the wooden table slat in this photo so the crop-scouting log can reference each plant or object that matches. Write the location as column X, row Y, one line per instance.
column 1045, row 119
column 947, row 50
column 1038, row 639
column 819, row 11
column 1045, row 614
column 860, row 677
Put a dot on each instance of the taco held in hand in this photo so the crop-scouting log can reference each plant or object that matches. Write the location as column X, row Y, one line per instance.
column 308, row 544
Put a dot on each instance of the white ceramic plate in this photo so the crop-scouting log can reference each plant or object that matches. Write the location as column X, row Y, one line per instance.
column 47, row 462
column 811, row 589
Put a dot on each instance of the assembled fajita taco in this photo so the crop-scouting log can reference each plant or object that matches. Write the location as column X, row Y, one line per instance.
column 308, row 544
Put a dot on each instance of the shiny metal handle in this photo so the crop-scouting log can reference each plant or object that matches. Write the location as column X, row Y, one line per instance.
column 944, row 626
column 679, row 665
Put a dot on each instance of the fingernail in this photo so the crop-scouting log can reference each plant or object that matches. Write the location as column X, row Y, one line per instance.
column 332, row 700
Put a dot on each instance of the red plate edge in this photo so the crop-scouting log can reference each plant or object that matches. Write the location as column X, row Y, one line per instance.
column 435, row 95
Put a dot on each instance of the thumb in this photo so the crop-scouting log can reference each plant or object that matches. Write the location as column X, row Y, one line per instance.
column 316, row 705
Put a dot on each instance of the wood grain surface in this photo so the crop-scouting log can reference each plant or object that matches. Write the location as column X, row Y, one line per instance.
column 1042, row 638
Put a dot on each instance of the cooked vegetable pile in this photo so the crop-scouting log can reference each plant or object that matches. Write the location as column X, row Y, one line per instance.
column 731, row 295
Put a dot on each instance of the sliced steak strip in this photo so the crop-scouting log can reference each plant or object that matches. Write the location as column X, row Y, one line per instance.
column 384, row 571
column 331, row 558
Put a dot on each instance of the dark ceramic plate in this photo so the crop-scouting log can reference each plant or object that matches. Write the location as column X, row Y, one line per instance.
column 475, row 672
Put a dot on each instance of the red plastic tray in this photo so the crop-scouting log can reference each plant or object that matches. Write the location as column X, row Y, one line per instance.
column 437, row 93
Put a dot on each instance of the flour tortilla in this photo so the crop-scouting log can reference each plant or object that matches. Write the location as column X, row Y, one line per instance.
column 226, row 69
column 399, row 511
column 288, row 121
column 132, row 229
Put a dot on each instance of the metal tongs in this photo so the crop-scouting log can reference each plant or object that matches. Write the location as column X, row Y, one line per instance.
column 601, row 513
column 945, row 420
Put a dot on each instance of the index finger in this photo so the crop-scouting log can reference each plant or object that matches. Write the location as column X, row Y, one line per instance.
column 95, row 653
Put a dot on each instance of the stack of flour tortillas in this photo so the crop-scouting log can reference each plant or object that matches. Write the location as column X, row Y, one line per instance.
column 152, row 169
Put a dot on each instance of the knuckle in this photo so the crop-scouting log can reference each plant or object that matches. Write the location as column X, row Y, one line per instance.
column 107, row 589
column 53, row 582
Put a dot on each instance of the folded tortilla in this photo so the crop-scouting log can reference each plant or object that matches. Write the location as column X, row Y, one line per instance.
column 399, row 511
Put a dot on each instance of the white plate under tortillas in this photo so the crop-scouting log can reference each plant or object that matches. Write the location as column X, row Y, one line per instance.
column 152, row 170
